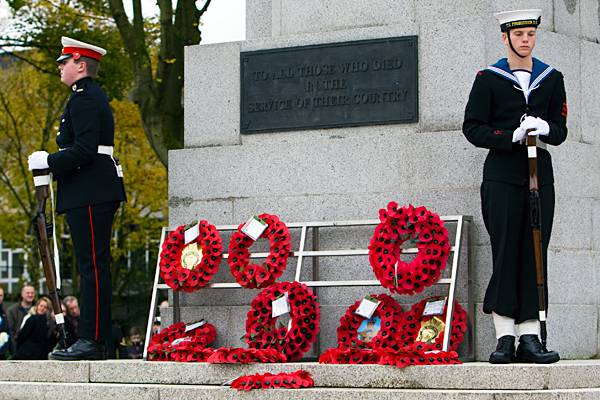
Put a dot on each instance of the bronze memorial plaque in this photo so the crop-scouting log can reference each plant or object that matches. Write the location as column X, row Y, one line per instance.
column 365, row 82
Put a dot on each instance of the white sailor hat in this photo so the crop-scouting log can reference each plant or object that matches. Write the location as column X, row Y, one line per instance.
column 76, row 49
column 519, row 19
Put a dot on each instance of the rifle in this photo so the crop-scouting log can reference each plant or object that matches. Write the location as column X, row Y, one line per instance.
column 535, row 213
column 42, row 180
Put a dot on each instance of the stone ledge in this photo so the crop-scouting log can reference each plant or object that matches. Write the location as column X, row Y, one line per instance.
column 48, row 371
column 91, row 391
column 579, row 374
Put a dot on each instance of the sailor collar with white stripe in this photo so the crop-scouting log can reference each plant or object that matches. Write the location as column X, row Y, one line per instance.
column 539, row 72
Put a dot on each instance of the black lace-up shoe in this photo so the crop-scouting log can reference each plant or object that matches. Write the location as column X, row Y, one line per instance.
column 83, row 349
column 505, row 351
column 531, row 351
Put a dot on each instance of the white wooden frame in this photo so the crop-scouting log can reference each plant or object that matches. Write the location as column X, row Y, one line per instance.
column 301, row 254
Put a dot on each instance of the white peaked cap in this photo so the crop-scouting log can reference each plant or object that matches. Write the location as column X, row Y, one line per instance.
column 519, row 18
column 76, row 48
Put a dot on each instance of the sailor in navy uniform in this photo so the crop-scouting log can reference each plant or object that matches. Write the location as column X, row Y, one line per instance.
column 90, row 189
column 508, row 98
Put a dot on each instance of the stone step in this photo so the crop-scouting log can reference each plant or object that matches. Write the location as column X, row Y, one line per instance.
column 107, row 391
column 564, row 375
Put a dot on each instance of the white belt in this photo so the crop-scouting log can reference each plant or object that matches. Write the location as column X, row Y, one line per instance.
column 109, row 151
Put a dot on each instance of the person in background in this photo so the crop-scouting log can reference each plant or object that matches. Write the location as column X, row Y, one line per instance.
column 71, row 311
column 156, row 326
column 132, row 347
column 17, row 312
column 4, row 333
column 37, row 335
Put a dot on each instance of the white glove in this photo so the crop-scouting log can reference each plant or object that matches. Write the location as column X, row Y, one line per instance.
column 38, row 160
column 519, row 134
column 539, row 126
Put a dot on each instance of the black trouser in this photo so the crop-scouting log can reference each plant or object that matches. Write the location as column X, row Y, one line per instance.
column 512, row 291
column 91, row 228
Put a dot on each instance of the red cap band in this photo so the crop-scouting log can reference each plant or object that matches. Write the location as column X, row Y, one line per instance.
column 79, row 51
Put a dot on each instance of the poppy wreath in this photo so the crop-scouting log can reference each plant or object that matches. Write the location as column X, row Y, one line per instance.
column 261, row 329
column 409, row 330
column 403, row 359
column 396, row 226
column 390, row 315
column 161, row 347
column 231, row 355
column 349, row 356
column 175, row 275
column 293, row 380
column 254, row 275
column 399, row 359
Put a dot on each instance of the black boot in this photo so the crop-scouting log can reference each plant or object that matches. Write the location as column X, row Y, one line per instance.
column 531, row 351
column 505, row 351
column 82, row 349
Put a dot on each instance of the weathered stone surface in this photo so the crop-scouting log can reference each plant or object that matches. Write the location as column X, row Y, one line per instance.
column 16, row 391
column 259, row 19
column 566, row 271
column 567, row 17
column 184, row 210
column 212, row 95
column 570, row 160
column 473, row 376
column 590, row 106
column 291, row 17
column 431, row 10
column 26, row 390
column 590, row 20
column 445, row 82
column 596, row 225
column 78, row 371
column 569, row 232
column 338, row 166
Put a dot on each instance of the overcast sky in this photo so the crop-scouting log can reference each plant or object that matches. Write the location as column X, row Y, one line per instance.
column 225, row 20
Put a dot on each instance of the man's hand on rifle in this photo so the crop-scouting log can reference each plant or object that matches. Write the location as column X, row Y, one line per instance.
column 538, row 126
column 38, row 160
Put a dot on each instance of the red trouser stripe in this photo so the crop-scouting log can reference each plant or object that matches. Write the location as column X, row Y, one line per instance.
column 95, row 267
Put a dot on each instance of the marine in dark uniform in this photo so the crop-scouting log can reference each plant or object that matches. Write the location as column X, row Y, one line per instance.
column 509, row 98
column 90, row 189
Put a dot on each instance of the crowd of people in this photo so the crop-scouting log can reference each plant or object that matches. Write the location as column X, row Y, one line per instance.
column 28, row 330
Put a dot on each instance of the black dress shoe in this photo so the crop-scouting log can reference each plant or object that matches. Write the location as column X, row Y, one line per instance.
column 82, row 349
column 531, row 351
column 505, row 351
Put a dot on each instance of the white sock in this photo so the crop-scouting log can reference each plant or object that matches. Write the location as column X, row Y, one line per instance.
column 504, row 326
column 529, row 327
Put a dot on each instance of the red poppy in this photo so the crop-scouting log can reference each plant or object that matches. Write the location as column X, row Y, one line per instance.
column 261, row 332
column 412, row 324
column 384, row 253
column 161, row 345
column 180, row 278
column 292, row 380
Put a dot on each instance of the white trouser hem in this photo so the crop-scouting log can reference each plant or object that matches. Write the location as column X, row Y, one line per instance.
column 504, row 326
column 529, row 327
